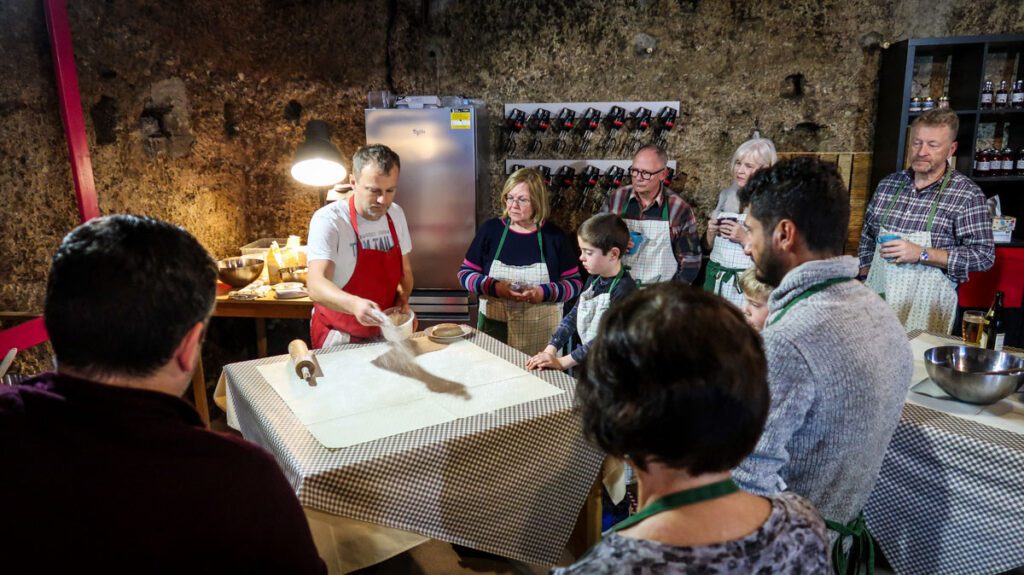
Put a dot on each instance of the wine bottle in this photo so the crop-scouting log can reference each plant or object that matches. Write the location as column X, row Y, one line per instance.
column 995, row 330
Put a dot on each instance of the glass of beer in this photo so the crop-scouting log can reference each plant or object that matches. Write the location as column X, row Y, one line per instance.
column 972, row 326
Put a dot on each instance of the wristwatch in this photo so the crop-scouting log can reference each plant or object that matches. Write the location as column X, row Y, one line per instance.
column 924, row 255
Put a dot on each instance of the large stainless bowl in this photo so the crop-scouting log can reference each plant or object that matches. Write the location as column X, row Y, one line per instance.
column 957, row 370
column 239, row 272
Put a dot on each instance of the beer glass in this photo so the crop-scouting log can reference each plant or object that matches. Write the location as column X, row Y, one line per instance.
column 973, row 324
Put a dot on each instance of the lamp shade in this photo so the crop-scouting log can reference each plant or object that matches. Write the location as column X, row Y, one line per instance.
column 317, row 162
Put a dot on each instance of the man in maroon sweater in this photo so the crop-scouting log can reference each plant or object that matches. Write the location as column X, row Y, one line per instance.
column 105, row 469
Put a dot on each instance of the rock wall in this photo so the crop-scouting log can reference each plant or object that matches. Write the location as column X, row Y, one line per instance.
column 185, row 102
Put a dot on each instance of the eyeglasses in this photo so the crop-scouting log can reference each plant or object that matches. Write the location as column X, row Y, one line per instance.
column 517, row 201
column 643, row 174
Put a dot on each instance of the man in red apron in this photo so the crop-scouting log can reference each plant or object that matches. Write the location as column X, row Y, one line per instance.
column 359, row 253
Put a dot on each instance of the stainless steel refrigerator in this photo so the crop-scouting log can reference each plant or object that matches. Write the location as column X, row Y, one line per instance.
column 443, row 180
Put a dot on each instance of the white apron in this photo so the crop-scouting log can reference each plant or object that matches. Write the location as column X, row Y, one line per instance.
column 591, row 308
column 923, row 297
column 726, row 262
column 530, row 325
column 654, row 260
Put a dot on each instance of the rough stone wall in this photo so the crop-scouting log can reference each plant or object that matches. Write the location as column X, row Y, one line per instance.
column 803, row 71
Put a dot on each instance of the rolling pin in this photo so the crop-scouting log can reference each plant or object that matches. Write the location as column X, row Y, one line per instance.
column 305, row 367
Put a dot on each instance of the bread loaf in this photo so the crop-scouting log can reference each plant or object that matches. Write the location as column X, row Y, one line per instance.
column 447, row 330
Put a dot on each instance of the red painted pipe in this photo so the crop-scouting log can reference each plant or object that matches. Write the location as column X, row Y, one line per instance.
column 33, row 332
column 71, row 108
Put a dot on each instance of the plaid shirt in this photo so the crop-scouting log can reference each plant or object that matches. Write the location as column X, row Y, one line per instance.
column 682, row 225
column 962, row 225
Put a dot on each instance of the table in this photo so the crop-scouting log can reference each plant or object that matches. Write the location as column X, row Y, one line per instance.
column 510, row 482
column 260, row 309
column 950, row 494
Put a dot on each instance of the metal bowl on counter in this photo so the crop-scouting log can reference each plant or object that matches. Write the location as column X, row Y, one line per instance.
column 295, row 275
column 239, row 272
column 960, row 371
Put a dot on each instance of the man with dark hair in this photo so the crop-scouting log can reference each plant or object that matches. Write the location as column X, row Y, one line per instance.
column 359, row 253
column 839, row 363
column 666, row 245
column 925, row 229
column 106, row 468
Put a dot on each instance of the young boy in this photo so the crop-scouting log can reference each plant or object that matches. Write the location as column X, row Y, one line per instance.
column 755, row 294
column 603, row 239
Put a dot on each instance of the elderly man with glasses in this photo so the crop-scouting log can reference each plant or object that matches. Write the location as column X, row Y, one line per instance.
column 664, row 242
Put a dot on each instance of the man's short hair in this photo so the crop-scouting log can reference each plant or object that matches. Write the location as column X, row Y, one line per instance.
column 122, row 293
column 662, row 154
column 675, row 375
column 807, row 191
column 938, row 117
column 376, row 155
column 604, row 232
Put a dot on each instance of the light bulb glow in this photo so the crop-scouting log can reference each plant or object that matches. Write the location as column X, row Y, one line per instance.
column 318, row 172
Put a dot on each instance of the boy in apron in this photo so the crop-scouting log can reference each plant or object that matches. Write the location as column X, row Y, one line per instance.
column 603, row 239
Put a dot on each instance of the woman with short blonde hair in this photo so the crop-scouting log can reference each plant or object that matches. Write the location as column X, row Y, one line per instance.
column 522, row 266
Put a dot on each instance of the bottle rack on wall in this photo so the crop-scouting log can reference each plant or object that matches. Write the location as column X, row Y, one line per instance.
column 587, row 128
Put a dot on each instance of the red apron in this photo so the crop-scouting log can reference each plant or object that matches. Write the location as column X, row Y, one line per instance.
column 375, row 277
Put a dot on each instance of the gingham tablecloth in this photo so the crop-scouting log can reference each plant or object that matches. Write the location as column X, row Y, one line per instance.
column 949, row 496
column 510, row 482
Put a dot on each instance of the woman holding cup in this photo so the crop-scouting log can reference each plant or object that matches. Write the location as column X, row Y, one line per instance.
column 522, row 266
column 726, row 234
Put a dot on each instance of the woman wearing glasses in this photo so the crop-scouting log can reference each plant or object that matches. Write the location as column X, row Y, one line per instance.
column 522, row 266
column 726, row 234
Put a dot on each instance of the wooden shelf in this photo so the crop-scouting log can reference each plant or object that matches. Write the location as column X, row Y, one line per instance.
column 984, row 179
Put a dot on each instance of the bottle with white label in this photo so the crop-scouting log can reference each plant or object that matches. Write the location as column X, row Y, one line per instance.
column 1002, row 95
column 995, row 328
column 986, row 95
column 1017, row 97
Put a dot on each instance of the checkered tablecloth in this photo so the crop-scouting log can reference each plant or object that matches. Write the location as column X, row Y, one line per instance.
column 949, row 496
column 510, row 482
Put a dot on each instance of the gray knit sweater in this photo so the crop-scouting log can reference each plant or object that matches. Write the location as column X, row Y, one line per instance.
column 839, row 366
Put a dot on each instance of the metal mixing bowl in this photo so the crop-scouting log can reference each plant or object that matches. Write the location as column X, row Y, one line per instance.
column 294, row 275
column 239, row 272
column 957, row 370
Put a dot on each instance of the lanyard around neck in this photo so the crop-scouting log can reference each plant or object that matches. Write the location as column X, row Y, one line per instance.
column 935, row 202
column 680, row 499
column 664, row 206
column 807, row 293
column 504, row 234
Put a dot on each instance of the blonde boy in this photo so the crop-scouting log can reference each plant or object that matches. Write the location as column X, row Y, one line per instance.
column 755, row 295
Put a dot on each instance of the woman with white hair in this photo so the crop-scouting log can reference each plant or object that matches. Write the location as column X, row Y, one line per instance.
column 726, row 234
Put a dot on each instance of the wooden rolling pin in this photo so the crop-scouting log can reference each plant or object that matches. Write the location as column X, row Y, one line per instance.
column 305, row 367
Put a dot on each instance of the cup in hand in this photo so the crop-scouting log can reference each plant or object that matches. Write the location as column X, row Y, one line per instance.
column 637, row 238
column 888, row 237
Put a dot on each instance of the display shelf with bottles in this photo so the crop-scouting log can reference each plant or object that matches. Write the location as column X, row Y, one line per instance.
column 954, row 72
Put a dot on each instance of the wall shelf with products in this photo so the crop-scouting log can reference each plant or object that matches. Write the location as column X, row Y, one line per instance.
column 953, row 72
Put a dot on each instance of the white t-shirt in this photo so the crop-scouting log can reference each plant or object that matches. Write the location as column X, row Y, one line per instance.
column 331, row 237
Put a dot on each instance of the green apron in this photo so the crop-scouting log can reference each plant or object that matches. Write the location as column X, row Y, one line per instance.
column 680, row 499
column 492, row 327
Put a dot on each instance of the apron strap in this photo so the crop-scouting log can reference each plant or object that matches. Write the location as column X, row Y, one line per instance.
column 504, row 234
column 806, row 294
column 680, row 499
column 931, row 212
column 862, row 547
column 664, row 205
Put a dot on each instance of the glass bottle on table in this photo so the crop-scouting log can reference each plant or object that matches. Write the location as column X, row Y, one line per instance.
column 995, row 331
column 986, row 96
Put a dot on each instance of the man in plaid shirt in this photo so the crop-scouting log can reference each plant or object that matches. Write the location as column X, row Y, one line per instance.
column 941, row 221
column 644, row 205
